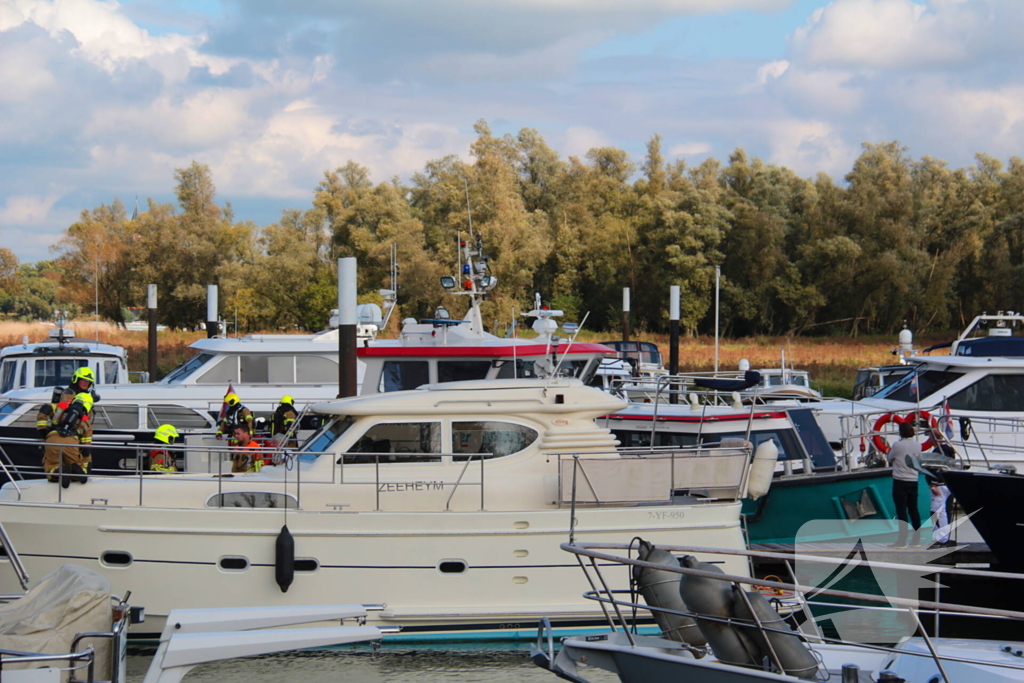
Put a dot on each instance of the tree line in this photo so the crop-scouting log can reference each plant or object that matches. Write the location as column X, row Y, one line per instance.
column 897, row 240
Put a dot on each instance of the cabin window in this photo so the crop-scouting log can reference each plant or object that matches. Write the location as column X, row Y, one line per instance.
column 9, row 407
column 115, row 417
column 256, row 369
column 23, row 381
column 929, row 382
column 315, row 370
column 222, row 372
column 517, row 369
column 56, row 371
column 110, row 372
column 188, row 367
column 323, row 441
column 490, row 438
column 636, row 438
column 571, row 368
column 28, row 418
column 395, row 442
column 399, row 375
column 799, row 380
column 10, row 369
column 116, row 558
column 179, row 416
column 233, row 564
column 786, row 440
column 252, row 499
column 462, row 370
column 995, row 393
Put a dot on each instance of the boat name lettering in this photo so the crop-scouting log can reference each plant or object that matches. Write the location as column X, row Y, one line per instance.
column 668, row 514
column 402, row 487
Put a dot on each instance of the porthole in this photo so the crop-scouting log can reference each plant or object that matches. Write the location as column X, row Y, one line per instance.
column 116, row 558
column 307, row 564
column 452, row 567
column 233, row 564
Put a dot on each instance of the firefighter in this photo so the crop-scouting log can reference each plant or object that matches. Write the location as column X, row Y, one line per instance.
column 161, row 459
column 283, row 421
column 83, row 381
column 235, row 414
column 246, row 455
column 69, row 440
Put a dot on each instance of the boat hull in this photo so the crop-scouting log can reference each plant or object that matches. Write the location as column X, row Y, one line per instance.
column 514, row 572
column 776, row 518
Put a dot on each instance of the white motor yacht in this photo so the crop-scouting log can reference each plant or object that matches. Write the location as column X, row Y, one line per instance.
column 445, row 502
column 261, row 368
column 51, row 363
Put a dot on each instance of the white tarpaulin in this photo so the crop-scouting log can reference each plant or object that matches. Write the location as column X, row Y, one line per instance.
column 67, row 601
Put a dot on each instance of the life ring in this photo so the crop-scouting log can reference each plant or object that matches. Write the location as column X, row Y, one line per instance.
column 913, row 417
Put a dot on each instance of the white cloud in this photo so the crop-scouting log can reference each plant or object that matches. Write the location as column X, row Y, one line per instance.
column 901, row 34
column 771, row 71
column 27, row 209
column 819, row 91
column 578, row 140
column 690, row 148
column 808, row 147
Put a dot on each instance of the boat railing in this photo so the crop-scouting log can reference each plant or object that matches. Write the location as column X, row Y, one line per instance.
column 653, row 475
column 627, row 476
column 969, row 440
column 593, row 558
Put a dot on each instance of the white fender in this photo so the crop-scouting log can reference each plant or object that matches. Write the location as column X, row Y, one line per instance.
column 762, row 467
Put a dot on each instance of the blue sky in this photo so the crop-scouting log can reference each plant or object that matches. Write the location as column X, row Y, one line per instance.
column 104, row 99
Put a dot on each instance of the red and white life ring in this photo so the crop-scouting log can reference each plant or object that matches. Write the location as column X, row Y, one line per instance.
column 913, row 417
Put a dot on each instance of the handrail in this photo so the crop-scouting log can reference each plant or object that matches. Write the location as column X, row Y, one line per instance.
column 15, row 559
column 607, row 595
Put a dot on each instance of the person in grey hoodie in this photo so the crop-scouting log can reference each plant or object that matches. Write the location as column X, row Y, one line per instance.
column 904, row 458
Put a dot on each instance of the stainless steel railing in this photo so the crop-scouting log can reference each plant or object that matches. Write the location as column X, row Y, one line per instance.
column 606, row 554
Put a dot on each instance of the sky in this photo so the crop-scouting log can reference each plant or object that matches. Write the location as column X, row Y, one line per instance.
column 103, row 99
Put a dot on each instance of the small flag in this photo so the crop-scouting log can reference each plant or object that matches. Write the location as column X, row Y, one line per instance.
column 224, row 404
column 948, row 427
column 913, row 385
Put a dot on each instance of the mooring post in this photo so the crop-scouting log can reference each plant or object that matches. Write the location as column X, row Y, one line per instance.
column 347, row 286
column 625, row 314
column 673, row 340
column 151, row 306
column 211, row 311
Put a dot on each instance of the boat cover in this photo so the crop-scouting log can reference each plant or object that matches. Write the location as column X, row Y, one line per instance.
column 991, row 346
column 751, row 378
column 67, row 601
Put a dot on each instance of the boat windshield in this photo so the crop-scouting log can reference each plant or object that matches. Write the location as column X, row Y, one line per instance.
column 188, row 367
column 9, row 407
column 324, row 439
column 7, row 371
column 52, row 372
column 645, row 352
column 928, row 382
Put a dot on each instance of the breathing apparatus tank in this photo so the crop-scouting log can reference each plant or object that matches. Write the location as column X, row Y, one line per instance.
column 71, row 418
column 714, row 598
column 660, row 588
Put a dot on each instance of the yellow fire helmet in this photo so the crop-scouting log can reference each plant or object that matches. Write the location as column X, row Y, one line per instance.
column 288, row 399
column 84, row 373
column 167, row 434
column 232, row 399
column 85, row 399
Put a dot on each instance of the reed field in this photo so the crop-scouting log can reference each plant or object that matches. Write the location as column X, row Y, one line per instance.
column 832, row 361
